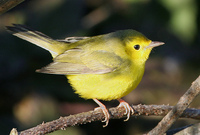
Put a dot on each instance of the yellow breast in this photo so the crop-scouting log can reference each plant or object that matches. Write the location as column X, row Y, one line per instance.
column 108, row 86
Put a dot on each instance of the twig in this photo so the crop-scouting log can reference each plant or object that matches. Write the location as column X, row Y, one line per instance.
column 5, row 5
column 97, row 115
column 177, row 110
column 117, row 113
column 190, row 130
column 179, row 129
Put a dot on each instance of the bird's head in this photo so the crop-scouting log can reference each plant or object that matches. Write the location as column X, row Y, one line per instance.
column 137, row 46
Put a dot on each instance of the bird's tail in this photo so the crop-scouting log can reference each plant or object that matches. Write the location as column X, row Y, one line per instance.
column 53, row 46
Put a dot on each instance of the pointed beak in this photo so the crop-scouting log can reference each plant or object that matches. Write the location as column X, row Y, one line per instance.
column 154, row 44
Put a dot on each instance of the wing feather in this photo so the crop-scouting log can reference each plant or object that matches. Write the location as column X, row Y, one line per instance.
column 78, row 61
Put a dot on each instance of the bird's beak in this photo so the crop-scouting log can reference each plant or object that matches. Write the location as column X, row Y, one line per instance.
column 154, row 44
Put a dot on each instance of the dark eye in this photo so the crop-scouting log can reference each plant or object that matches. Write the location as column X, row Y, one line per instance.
column 137, row 47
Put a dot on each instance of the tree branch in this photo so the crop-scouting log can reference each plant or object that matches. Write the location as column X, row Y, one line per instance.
column 118, row 112
column 6, row 5
column 97, row 115
column 190, row 130
column 177, row 110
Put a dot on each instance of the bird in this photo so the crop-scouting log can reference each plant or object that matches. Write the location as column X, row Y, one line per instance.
column 103, row 67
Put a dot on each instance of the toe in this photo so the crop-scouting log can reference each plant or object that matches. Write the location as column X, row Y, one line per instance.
column 128, row 108
column 105, row 112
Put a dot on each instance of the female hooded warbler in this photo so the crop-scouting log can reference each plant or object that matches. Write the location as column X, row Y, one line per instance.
column 103, row 67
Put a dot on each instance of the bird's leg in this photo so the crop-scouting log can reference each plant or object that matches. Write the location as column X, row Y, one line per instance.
column 105, row 111
column 128, row 108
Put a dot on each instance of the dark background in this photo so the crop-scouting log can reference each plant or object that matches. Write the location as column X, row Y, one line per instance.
column 28, row 98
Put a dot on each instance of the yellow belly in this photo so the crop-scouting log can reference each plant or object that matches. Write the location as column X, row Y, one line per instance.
column 108, row 86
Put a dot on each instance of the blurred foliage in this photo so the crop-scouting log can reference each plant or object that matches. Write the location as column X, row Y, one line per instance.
column 28, row 98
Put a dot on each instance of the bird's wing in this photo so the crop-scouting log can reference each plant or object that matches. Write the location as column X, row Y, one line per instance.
column 78, row 61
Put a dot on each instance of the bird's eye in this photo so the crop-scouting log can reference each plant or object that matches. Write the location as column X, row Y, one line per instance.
column 137, row 47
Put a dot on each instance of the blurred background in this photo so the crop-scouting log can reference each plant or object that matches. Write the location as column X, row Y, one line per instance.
column 28, row 98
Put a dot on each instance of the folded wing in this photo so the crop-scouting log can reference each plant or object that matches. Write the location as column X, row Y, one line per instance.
column 78, row 61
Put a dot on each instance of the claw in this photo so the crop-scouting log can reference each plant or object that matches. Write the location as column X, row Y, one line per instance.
column 128, row 108
column 105, row 111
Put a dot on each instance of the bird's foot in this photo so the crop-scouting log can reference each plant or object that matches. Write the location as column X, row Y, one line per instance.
column 128, row 108
column 105, row 111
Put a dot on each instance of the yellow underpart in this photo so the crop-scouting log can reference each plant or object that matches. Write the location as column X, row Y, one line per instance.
column 107, row 86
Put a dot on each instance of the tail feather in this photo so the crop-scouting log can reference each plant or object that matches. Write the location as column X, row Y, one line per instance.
column 38, row 38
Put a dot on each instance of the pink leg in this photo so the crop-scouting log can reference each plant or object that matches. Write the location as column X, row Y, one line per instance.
column 105, row 111
column 128, row 108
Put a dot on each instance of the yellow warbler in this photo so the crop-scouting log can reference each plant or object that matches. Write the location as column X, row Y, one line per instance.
column 104, row 67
